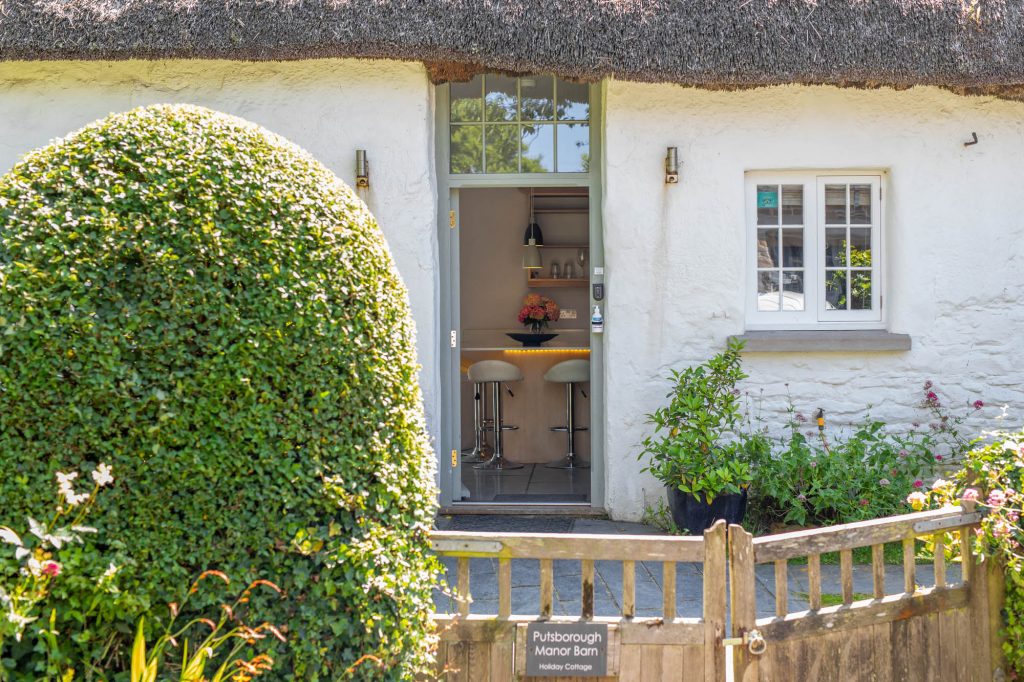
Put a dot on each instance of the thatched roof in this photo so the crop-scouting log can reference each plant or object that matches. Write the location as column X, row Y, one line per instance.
column 966, row 45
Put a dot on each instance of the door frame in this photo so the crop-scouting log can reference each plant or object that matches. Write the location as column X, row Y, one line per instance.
column 448, row 187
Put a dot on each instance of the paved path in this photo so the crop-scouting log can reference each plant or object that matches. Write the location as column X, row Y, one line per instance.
column 608, row 576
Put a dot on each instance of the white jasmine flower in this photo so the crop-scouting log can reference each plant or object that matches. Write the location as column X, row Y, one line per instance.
column 110, row 572
column 102, row 475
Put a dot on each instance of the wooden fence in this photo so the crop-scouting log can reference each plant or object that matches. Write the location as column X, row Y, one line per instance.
column 483, row 648
column 936, row 632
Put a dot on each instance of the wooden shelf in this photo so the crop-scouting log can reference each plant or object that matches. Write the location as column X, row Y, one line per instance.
column 546, row 282
column 563, row 246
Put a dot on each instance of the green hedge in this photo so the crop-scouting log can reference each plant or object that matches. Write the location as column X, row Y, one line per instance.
column 204, row 306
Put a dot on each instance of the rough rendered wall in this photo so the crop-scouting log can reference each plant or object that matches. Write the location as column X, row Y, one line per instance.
column 330, row 107
column 954, row 236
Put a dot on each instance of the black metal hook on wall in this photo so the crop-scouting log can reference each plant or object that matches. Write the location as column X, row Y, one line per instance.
column 974, row 140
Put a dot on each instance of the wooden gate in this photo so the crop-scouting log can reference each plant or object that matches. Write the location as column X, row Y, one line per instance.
column 946, row 629
column 934, row 632
column 483, row 648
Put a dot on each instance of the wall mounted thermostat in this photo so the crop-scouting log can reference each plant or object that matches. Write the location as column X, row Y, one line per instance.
column 598, row 291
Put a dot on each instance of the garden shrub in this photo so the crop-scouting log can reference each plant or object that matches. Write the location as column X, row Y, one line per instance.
column 821, row 477
column 205, row 307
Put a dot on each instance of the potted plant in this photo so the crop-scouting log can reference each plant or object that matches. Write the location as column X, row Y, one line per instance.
column 698, row 449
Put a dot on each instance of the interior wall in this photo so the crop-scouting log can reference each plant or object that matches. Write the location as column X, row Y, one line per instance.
column 675, row 254
column 492, row 223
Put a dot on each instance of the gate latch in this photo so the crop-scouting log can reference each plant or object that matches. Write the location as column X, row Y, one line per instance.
column 755, row 642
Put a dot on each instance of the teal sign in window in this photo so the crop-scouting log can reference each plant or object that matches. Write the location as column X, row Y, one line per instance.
column 768, row 199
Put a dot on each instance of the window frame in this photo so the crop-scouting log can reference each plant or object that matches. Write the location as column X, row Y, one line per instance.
column 814, row 316
column 518, row 123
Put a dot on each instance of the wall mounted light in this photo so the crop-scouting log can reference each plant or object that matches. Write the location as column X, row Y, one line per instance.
column 362, row 169
column 672, row 166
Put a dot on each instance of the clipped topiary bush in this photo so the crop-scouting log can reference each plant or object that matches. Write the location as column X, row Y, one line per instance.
column 205, row 307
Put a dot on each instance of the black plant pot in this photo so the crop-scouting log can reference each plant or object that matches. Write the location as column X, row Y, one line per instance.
column 695, row 515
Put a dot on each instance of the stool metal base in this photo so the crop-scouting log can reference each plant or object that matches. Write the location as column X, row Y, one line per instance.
column 568, row 462
column 498, row 463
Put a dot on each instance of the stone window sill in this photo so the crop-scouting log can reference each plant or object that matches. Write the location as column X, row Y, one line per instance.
column 819, row 341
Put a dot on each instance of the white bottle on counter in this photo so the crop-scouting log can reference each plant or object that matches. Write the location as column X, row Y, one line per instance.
column 597, row 321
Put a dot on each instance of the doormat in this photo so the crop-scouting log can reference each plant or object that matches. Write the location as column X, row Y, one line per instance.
column 541, row 498
column 485, row 523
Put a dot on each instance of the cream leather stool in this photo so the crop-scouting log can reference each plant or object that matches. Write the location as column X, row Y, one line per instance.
column 570, row 373
column 496, row 373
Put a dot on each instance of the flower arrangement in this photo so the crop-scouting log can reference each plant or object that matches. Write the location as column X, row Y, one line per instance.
column 537, row 311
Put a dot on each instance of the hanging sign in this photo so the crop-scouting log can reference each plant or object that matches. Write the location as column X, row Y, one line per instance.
column 567, row 650
column 769, row 199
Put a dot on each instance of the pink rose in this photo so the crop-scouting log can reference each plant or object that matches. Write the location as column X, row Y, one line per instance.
column 970, row 495
column 51, row 568
column 918, row 483
column 978, row 404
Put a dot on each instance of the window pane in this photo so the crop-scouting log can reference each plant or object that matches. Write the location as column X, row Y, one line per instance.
column 500, row 100
column 793, row 248
column 835, row 204
column 538, row 144
column 792, row 204
column 768, row 291
column 835, row 290
column 860, row 247
column 768, row 248
column 573, row 101
column 573, row 147
column 466, row 101
column 860, row 204
column 767, row 205
column 860, row 291
column 467, row 147
column 792, row 290
column 538, row 93
column 502, row 148
column 835, row 247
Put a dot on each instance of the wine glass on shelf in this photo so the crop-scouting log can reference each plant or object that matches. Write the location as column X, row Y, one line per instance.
column 581, row 260
column 555, row 274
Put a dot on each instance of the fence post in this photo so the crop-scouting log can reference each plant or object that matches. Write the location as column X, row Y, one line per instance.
column 714, row 602
column 742, row 604
column 987, row 587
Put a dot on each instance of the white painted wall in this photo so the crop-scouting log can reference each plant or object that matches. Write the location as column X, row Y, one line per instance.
column 675, row 254
column 329, row 107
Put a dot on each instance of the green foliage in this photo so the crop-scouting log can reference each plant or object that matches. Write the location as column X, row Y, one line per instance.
column 207, row 308
column 819, row 477
column 697, row 445
column 819, row 480
column 992, row 477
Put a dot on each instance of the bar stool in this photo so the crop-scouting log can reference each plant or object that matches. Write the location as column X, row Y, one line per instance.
column 496, row 373
column 481, row 449
column 570, row 373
